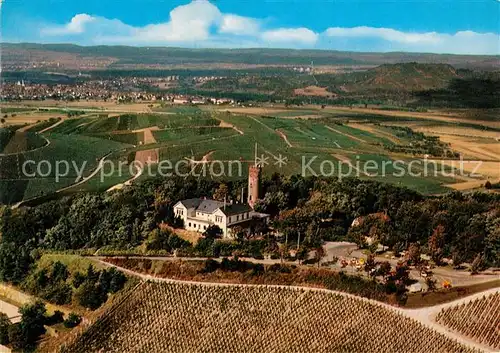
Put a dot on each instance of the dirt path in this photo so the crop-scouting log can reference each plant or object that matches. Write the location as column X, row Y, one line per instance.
column 204, row 160
column 20, row 298
column 127, row 183
column 142, row 157
column 23, row 152
column 11, row 311
column 149, row 138
column 52, row 126
column 284, row 137
column 226, row 124
column 345, row 134
column 27, row 127
column 424, row 316
column 84, row 180
column 347, row 161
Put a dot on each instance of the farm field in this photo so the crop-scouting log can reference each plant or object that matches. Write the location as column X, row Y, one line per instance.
column 341, row 143
column 474, row 148
column 12, row 142
column 91, row 105
column 179, row 317
column 82, row 151
column 478, row 319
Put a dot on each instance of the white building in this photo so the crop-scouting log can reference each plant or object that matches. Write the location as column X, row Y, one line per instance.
column 199, row 214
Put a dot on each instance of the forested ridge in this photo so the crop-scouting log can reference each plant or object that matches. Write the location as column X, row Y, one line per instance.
column 464, row 227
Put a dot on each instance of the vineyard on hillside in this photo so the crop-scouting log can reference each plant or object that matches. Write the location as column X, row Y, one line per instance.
column 478, row 319
column 173, row 317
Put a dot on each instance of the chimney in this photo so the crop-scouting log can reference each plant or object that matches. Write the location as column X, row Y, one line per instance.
column 224, row 202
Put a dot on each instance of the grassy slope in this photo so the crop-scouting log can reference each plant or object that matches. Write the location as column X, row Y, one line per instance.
column 195, row 135
column 81, row 150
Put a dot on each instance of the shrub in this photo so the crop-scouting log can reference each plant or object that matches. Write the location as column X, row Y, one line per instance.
column 4, row 329
column 55, row 318
column 73, row 320
column 90, row 295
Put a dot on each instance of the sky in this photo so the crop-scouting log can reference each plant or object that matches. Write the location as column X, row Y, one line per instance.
column 435, row 26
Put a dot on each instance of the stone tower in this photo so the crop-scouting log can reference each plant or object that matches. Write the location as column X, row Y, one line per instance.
column 253, row 184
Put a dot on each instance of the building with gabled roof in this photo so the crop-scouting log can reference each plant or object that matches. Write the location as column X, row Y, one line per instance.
column 199, row 214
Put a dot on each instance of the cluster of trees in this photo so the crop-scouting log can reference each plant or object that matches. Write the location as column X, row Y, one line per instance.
column 235, row 270
column 56, row 284
column 420, row 144
column 472, row 92
column 458, row 226
column 306, row 210
column 24, row 335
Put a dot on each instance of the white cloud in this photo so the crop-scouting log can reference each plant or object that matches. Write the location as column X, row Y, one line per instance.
column 75, row 26
column 200, row 23
column 297, row 35
column 189, row 22
column 383, row 33
column 239, row 25
column 462, row 42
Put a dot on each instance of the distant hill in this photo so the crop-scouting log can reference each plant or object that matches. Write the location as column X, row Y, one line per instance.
column 404, row 76
column 399, row 78
column 74, row 57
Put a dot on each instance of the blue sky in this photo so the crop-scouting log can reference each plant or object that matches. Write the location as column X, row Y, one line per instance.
column 444, row 26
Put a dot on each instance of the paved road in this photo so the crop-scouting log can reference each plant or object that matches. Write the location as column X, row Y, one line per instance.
column 11, row 311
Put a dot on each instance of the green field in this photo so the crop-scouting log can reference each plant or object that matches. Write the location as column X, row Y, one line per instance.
column 192, row 135
column 12, row 142
column 321, row 146
column 82, row 151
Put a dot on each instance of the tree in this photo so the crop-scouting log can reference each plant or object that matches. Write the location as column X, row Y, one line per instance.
column 118, row 280
column 492, row 242
column 431, row 283
column 384, row 269
column 213, row 232
column 4, row 329
column 91, row 295
column 413, row 254
column 26, row 333
column 73, row 320
column 458, row 257
column 16, row 338
column 59, row 272
column 55, row 318
column 436, row 244
column 477, row 264
column 319, row 253
column 284, row 251
column 78, row 279
column 370, row 265
column 239, row 233
column 221, row 193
